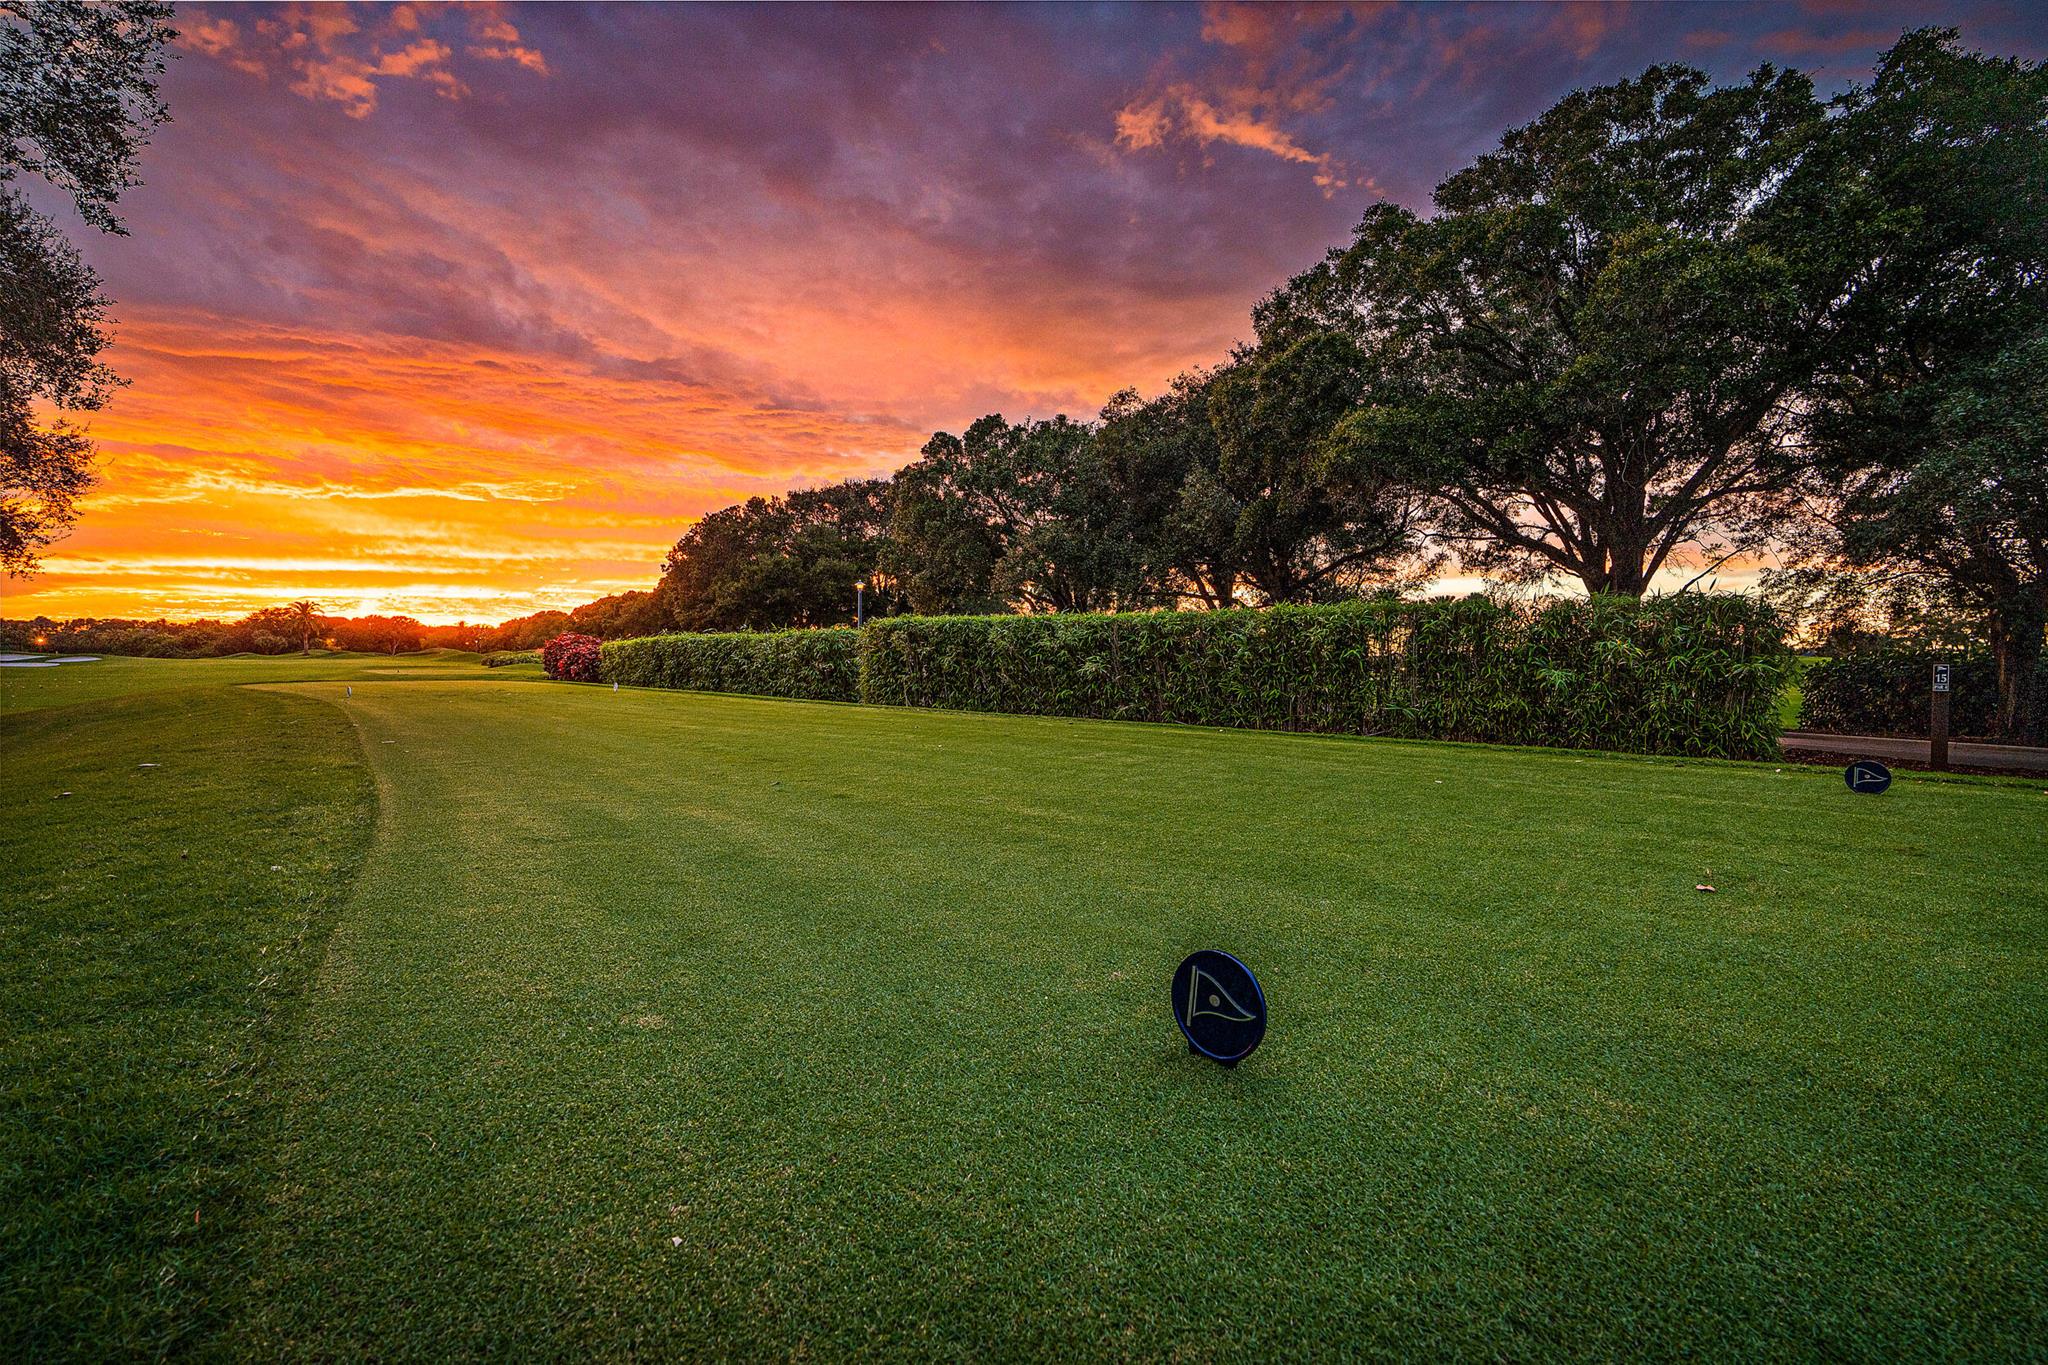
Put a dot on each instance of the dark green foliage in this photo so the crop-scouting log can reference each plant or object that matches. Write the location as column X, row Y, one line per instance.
column 1326, row 669
column 502, row 658
column 52, row 329
column 1689, row 674
column 1163, row 459
column 529, row 632
column 1888, row 692
column 1929, row 437
column 1021, row 512
column 622, row 616
column 787, row 561
column 813, row 665
column 1584, row 350
column 1291, row 534
column 268, row 630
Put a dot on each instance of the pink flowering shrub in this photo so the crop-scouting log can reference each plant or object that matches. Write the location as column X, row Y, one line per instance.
column 571, row 658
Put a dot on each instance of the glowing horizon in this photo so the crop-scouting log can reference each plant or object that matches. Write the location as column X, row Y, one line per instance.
column 464, row 313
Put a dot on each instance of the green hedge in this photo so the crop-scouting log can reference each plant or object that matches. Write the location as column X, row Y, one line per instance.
column 1888, row 692
column 814, row 665
column 1287, row 668
column 1681, row 675
column 1688, row 674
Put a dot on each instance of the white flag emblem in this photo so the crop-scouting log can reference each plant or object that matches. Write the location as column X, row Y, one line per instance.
column 1205, row 996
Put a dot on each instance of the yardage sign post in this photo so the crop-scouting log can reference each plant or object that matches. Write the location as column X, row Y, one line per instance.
column 1219, row 1006
column 1937, row 722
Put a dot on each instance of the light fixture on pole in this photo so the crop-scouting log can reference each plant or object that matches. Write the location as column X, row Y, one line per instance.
column 859, row 604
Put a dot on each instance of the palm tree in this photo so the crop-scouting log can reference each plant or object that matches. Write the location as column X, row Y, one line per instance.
column 305, row 613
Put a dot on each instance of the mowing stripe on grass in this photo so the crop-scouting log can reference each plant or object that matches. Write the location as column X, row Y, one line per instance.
column 173, row 861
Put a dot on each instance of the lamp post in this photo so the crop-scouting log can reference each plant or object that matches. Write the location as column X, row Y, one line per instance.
column 859, row 595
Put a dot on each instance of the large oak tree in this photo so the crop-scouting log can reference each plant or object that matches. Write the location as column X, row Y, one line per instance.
column 1930, row 434
column 1590, row 353
column 1221, row 478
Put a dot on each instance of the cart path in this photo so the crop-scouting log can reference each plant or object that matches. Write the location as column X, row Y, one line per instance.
column 2001, row 757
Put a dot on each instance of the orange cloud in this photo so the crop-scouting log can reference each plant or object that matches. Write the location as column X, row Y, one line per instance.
column 1277, row 72
column 1180, row 111
column 249, row 463
column 325, row 54
column 498, row 40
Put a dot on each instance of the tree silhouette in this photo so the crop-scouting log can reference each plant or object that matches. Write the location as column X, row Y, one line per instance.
column 307, row 616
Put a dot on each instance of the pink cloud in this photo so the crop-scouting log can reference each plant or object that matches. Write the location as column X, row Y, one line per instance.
column 1274, row 69
column 1804, row 43
column 326, row 55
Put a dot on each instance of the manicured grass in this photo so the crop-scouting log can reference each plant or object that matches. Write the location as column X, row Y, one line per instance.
column 664, row 1024
column 27, row 689
column 157, row 931
column 1789, row 700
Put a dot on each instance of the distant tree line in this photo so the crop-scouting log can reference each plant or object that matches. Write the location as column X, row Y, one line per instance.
column 272, row 630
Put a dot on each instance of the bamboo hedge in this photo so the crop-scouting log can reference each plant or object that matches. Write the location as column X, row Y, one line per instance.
column 1690, row 674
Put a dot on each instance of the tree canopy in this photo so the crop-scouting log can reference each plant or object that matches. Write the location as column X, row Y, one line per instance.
column 1588, row 355
column 1929, row 437
column 770, row 562
column 77, row 102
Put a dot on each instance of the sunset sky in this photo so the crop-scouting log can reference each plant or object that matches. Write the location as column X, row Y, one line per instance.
column 469, row 312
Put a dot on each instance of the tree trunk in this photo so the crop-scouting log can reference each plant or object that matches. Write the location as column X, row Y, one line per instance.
column 2016, row 646
column 1629, row 580
column 1617, row 573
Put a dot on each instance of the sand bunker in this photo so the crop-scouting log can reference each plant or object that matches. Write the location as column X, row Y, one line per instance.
column 38, row 661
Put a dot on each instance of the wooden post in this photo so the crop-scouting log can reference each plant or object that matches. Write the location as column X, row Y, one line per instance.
column 1937, row 727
